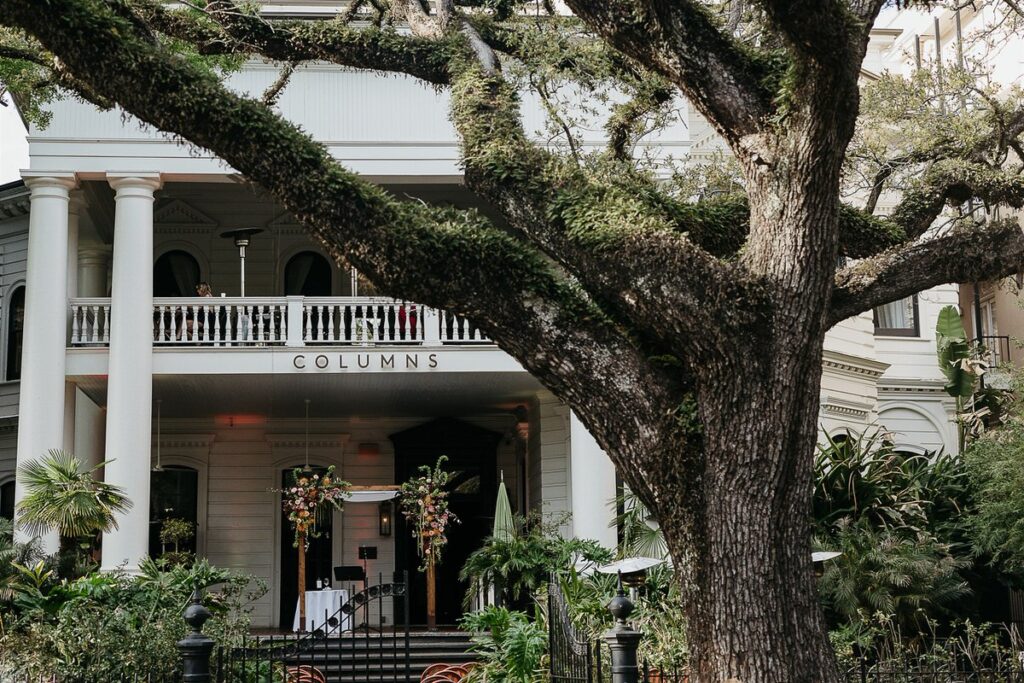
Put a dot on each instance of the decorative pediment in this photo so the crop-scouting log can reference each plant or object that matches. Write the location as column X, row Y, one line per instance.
column 844, row 408
column 298, row 441
column 284, row 220
column 179, row 214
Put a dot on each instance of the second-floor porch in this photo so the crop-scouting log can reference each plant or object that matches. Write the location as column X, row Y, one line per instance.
column 291, row 321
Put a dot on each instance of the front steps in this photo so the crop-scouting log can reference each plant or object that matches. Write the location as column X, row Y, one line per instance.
column 375, row 658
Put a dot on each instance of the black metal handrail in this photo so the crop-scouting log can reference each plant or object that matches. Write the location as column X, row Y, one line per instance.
column 272, row 658
column 995, row 349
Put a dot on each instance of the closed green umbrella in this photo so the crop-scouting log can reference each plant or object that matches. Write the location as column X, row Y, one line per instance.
column 504, row 525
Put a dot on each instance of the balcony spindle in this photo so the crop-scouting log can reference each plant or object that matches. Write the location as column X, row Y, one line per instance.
column 75, row 330
column 259, row 322
column 94, row 337
column 330, row 322
column 105, row 312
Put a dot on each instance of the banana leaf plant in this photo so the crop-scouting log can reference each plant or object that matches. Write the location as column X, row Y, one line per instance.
column 961, row 367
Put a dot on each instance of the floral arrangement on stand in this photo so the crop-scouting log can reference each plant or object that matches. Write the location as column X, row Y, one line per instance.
column 307, row 501
column 423, row 501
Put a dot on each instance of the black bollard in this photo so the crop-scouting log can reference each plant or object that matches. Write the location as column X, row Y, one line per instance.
column 623, row 640
column 195, row 648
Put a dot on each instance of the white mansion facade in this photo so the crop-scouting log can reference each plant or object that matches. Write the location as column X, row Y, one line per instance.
column 198, row 404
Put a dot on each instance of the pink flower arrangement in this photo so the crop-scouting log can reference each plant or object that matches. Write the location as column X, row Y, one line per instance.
column 423, row 501
column 309, row 498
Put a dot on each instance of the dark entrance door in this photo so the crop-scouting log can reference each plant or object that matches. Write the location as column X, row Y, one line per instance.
column 318, row 559
column 472, row 460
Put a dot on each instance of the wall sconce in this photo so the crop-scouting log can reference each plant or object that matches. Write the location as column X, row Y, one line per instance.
column 384, row 518
column 368, row 450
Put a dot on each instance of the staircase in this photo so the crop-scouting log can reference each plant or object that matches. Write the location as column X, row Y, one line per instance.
column 381, row 659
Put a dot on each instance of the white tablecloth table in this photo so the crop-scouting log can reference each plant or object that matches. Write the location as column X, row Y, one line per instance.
column 319, row 603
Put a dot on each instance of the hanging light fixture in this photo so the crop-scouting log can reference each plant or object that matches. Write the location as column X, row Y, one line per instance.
column 307, row 470
column 157, row 467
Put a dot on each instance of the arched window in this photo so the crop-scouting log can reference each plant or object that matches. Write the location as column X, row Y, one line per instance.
column 15, row 333
column 176, row 273
column 173, row 494
column 307, row 274
column 7, row 500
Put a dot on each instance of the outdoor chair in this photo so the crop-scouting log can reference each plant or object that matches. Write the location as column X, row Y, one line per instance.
column 305, row 674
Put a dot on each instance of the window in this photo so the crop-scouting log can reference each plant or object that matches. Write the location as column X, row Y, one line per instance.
column 15, row 333
column 174, row 494
column 176, row 273
column 7, row 500
column 898, row 319
column 307, row 274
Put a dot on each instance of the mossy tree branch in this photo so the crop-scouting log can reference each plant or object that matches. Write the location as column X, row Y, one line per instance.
column 233, row 29
column 981, row 252
column 682, row 41
column 954, row 181
column 537, row 316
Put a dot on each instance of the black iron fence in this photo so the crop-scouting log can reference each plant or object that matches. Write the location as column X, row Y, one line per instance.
column 917, row 672
column 576, row 658
column 355, row 644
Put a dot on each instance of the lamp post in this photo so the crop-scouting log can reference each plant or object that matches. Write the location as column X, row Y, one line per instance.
column 241, row 237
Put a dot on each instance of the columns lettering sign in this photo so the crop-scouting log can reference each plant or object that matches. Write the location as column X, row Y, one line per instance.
column 365, row 362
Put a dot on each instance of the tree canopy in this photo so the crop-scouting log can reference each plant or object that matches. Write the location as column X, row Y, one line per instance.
column 685, row 330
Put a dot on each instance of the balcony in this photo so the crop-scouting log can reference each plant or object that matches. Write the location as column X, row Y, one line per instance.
column 292, row 321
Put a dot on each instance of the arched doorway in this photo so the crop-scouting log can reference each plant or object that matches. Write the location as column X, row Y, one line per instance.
column 176, row 273
column 7, row 500
column 307, row 274
column 173, row 494
column 15, row 333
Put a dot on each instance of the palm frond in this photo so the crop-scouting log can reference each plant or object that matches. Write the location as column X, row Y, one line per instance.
column 60, row 494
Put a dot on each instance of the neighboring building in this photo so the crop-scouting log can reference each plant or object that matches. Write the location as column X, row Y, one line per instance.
column 102, row 333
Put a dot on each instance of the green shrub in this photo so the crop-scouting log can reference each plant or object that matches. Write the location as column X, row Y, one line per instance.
column 113, row 626
column 522, row 566
column 908, row 576
column 995, row 463
column 511, row 647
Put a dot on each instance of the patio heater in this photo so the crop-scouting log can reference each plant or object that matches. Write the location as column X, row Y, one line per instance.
column 241, row 237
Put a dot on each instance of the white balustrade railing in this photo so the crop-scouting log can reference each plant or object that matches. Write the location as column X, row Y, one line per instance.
column 90, row 322
column 287, row 321
column 219, row 321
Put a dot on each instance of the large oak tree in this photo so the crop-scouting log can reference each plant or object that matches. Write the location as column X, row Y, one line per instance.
column 687, row 335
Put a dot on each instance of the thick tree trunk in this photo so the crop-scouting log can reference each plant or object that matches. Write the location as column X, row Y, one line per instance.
column 743, row 545
column 745, row 559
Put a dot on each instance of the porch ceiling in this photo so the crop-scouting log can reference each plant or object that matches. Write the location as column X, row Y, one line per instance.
column 332, row 395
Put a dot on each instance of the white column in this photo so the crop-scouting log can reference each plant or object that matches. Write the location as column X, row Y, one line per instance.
column 592, row 477
column 92, row 272
column 70, row 391
column 130, row 369
column 75, row 206
column 41, row 411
